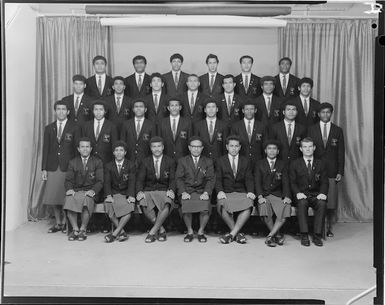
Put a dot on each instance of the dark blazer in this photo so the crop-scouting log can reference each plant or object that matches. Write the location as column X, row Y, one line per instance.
column 156, row 116
column 254, row 150
column 179, row 147
column 137, row 148
column 276, row 114
column 198, row 113
column 291, row 87
column 92, row 87
column 84, row 111
column 170, row 84
column 312, row 115
column 124, row 114
column 217, row 147
column 225, row 181
column 254, row 89
column 123, row 183
column 312, row 186
column 132, row 90
column 286, row 152
column 190, row 179
column 334, row 153
column 204, row 86
column 59, row 153
column 79, row 180
column 235, row 111
column 274, row 182
column 147, row 180
column 108, row 135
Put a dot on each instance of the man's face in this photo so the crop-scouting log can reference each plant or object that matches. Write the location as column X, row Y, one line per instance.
column 249, row 111
column 157, row 149
column 174, row 107
column 212, row 64
column 139, row 65
column 211, row 110
column 119, row 86
column 99, row 112
column 79, row 86
column 307, row 149
column 246, row 65
column 84, row 148
column 271, row 151
column 193, row 83
column 61, row 112
column 139, row 109
column 268, row 87
column 233, row 147
column 119, row 153
column 228, row 85
column 305, row 89
column 156, row 83
column 290, row 112
column 325, row 115
column 284, row 66
column 195, row 148
column 100, row 66
column 176, row 64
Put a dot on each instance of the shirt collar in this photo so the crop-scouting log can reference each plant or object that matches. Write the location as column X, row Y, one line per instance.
column 303, row 98
column 102, row 75
column 208, row 119
column 311, row 159
column 281, row 75
column 231, row 157
column 190, row 92
column 141, row 74
column 139, row 119
column 101, row 121
column 246, row 73
column 287, row 123
column 158, row 93
column 119, row 95
column 78, row 95
column 271, row 160
column 322, row 124
column 215, row 74
column 117, row 163
column 247, row 121
column 85, row 158
column 176, row 117
column 155, row 158
column 268, row 95
column 62, row 122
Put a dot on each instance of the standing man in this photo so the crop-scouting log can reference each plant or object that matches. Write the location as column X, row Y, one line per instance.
column 78, row 103
column 273, row 191
column 307, row 107
column 195, row 180
column 100, row 84
column 235, row 190
column 286, row 84
column 329, row 140
column 59, row 147
column 119, row 105
column 137, row 133
column 83, row 182
column 309, row 185
column 211, row 82
column 176, row 79
column 248, row 84
column 193, row 100
column 138, row 83
column 119, row 190
column 156, row 189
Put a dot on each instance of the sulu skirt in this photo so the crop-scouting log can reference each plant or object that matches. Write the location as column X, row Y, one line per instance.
column 120, row 207
column 274, row 205
column 54, row 193
column 156, row 199
column 235, row 202
column 79, row 200
column 194, row 204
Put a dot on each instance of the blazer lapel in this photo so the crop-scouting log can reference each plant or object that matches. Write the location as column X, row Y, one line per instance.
column 133, row 128
column 65, row 129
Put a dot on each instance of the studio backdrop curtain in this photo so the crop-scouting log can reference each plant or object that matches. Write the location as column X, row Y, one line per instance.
column 339, row 56
column 65, row 47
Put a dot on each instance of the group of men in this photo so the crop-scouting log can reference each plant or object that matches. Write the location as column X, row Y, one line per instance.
column 181, row 141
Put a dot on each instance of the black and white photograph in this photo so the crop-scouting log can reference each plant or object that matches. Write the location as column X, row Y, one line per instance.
column 185, row 152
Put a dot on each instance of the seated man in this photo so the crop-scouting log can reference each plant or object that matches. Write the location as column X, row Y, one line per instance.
column 156, row 189
column 83, row 182
column 195, row 179
column 309, row 184
column 119, row 189
column 234, row 185
column 273, row 191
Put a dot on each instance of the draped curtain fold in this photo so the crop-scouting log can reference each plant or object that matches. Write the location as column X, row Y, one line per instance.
column 65, row 47
column 339, row 56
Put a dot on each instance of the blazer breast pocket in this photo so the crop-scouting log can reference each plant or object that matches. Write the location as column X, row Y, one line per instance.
column 68, row 137
column 334, row 142
column 106, row 138
column 91, row 175
column 258, row 137
column 183, row 134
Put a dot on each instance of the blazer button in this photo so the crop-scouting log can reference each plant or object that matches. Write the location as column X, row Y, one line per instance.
column 309, row 185
column 58, row 154
column 136, row 144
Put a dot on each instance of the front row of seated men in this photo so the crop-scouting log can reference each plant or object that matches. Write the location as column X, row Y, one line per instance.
column 158, row 187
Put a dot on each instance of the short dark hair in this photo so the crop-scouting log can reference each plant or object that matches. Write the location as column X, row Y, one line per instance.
column 99, row 57
column 285, row 58
column 307, row 140
column 194, row 75
column 60, row 102
column 156, row 139
column 305, row 80
column 326, row 106
column 246, row 56
column 232, row 138
column 157, row 74
column 227, row 76
column 139, row 100
column 210, row 101
column 267, row 78
column 289, row 102
column 119, row 144
column 176, row 56
column 174, row 98
column 79, row 77
column 118, row 78
column 212, row 56
column 84, row 139
column 139, row 57
column 249, row 101
column 99, row 102
column 195, row 138
column 271, row 142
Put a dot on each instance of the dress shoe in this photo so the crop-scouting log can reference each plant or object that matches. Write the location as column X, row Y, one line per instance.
column 279, row 239
column 317, row 240
column 305, row 240
column 329, row 233
column 270, row 242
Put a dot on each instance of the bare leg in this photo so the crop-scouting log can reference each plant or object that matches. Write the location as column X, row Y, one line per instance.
column 73, row 218
column 277, row 225
column 187, row 217
column 162, row 215
column 203, row 220
column 85, row 219
column 227, row 218
column 241, row 220
column 122, row 222
column 57, row 213
column 268, row 221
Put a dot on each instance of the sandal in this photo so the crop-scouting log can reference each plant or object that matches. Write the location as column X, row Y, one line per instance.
column 73, row 236
column 188, row 238
column 109, row 238
column 226, row 239
column 55, row 228
column 241, row 238
column 122, row 236
column 150, row 238
column 82, row 235
column 202, row 238
column 64, row 228
column 162, row 236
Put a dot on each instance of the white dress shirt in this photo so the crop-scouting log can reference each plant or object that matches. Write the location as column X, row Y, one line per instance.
column 176, row 121
column 248, row 78
column 303, row 102
column 281, row 75
column 231, row 97
column 231, row 161
column 141, row 120
column 159, row 162
column 267, row 96
column 322, row 126
column 96, row 125
column 103, row 77
column 287, row 127
column 119, row 163
column 306, row 160
column 208, row 120
column 247, row 123
column 189, row 93
column 137, row 78
column 63, row 124
column 121, row 99
column 80, row 98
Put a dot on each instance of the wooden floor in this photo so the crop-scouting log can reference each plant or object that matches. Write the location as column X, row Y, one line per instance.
column 41, row 264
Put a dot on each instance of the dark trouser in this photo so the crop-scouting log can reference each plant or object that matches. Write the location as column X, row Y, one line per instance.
column 319, row 207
